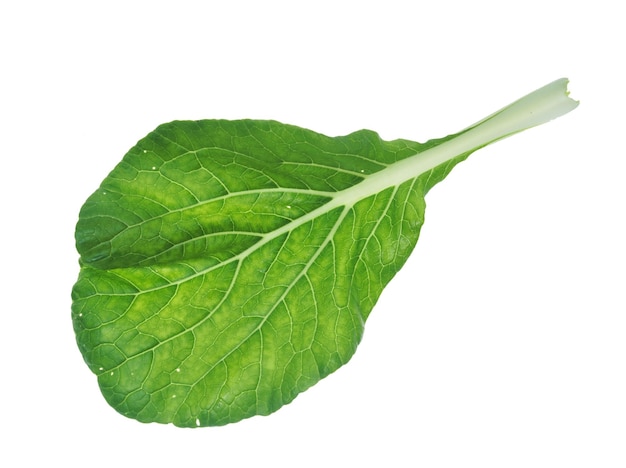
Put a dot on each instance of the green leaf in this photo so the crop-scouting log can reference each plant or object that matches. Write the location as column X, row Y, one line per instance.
column 227, row 266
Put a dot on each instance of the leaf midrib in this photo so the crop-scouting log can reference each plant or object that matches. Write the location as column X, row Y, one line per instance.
column 392, row 176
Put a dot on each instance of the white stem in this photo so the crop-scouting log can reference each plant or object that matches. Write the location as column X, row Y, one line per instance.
column 540, row 106
column 534, row 109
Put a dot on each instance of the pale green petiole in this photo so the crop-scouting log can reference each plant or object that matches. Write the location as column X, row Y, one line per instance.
column 540, row 106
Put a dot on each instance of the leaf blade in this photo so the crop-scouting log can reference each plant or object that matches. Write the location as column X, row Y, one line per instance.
column 266, row 306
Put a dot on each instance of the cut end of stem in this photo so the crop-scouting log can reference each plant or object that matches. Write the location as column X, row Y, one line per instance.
column 546, row 103
column 541, row 106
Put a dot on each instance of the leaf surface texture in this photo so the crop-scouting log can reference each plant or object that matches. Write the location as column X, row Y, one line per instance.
column 224, row 269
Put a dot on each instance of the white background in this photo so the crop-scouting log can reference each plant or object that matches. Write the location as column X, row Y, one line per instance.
column 502, row 341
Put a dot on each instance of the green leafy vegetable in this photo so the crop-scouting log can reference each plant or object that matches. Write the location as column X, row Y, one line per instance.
column 227, row 266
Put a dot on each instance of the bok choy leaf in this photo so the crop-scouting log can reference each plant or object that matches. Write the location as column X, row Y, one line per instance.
column 227, row 266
